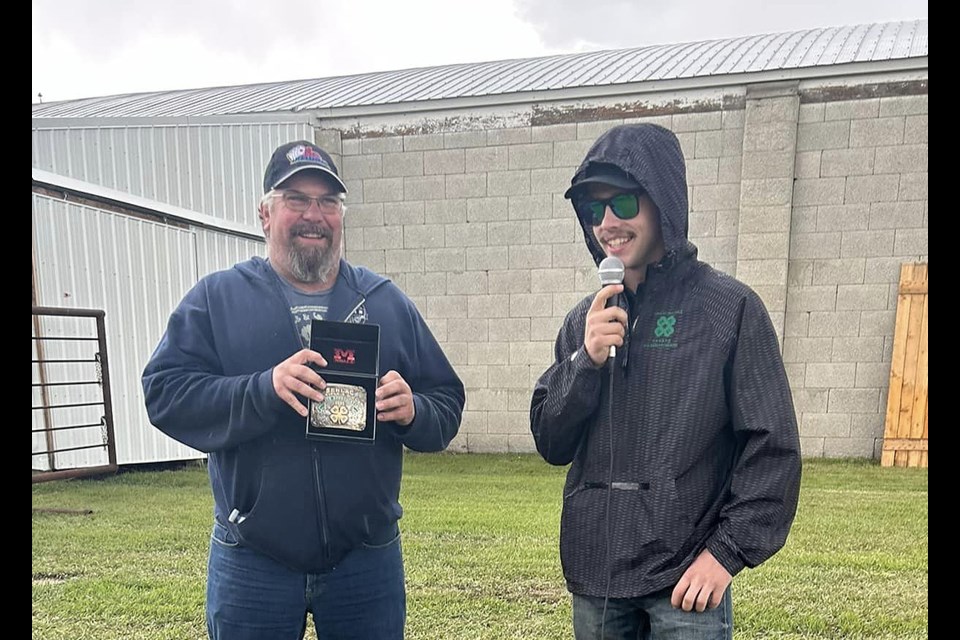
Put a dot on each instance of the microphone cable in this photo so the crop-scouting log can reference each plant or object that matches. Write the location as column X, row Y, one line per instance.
column 606, row 596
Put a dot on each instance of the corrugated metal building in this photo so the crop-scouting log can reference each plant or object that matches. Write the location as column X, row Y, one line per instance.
column 806, row 158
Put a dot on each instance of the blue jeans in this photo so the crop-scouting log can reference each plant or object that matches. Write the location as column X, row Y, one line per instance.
column 650, row 617
column 251, row 597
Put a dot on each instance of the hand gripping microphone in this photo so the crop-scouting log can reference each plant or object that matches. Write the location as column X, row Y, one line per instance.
column 611, row 272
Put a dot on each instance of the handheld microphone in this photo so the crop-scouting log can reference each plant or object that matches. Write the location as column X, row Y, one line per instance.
column 611, row 272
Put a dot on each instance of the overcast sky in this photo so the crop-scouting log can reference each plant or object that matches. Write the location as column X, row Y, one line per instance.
column 87, row 48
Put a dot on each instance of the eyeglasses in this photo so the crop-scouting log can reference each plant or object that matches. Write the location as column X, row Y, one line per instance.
column 624, row 205
column 301, row 202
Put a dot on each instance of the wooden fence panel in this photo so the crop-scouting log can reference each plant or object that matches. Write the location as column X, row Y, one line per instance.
column 905, row 429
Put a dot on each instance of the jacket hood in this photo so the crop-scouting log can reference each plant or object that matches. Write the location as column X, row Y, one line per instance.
column 651, row 155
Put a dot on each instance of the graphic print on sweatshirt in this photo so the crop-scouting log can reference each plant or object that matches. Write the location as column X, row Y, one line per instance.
column 303, row 316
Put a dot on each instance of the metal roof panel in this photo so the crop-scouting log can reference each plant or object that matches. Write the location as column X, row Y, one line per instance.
column 745, row 54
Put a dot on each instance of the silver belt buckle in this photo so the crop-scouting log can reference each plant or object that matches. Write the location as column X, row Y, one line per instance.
column 344, row 407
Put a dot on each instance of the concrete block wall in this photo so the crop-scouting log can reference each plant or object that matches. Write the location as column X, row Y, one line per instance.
column 814, row 202
column 766, row 187
column 712, row 146
column 859, row 212
column 470, row 225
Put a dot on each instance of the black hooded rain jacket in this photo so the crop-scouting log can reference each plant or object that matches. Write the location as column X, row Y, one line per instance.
column 700, row 446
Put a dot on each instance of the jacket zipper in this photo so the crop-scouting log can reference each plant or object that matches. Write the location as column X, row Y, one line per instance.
column 321, row 505
column 317, row 466
column 318, row 483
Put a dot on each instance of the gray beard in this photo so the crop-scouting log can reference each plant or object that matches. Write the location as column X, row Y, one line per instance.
column 311, row 265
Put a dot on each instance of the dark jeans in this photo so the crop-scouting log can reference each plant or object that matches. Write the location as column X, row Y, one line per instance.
column 251, row 597
column 650, row 617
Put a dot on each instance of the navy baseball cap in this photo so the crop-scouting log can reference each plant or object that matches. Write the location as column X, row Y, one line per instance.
column 293, row 157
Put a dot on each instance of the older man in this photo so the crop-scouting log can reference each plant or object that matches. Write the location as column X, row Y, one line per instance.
column 300, row 524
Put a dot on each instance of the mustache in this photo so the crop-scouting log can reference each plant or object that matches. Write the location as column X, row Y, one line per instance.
column 312, row 229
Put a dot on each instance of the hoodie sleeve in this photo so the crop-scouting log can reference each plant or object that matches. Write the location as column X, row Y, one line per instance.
column 438, row 393
column 186, row 394
column 765, row 483
column 566, row 395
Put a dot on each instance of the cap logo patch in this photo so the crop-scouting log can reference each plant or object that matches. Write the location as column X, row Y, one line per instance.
column 302, row 153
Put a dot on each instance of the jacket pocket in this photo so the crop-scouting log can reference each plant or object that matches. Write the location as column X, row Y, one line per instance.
column 282, row 522
column 650, row 518
column 583, row 532
column 389, row 536
column 646, row 527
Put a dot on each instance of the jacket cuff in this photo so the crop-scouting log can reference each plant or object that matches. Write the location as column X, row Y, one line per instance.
column 267, row 392
column 417, row 414
column 723, row 549
column 581, row 360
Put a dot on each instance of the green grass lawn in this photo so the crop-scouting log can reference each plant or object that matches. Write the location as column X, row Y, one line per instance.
column 480, row 536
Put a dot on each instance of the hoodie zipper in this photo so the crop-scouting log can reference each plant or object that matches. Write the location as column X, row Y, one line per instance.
column 318, row 474
column 317, row 464
column 321, row 505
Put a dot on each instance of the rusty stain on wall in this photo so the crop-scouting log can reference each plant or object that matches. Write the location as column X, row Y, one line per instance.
column 864, row 91
column 544, row 115
column 435, row 125
column 541, row 115
column 562, row 115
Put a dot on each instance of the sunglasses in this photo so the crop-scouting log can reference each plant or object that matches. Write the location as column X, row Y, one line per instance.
column 624, row 205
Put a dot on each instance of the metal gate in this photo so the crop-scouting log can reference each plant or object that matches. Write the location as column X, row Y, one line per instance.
column 72, row 411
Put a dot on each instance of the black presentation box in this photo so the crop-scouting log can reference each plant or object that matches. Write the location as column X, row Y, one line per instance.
column 352, row 352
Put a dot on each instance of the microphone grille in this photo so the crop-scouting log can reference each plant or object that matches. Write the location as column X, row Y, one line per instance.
column 610, row 271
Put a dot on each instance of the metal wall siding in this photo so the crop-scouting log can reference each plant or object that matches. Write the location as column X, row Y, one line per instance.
column 136, row 271
column 216, row 169
column 748, row 54
column 216, row 251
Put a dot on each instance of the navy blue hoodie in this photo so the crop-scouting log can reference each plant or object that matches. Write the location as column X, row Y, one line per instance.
column 209, row 385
